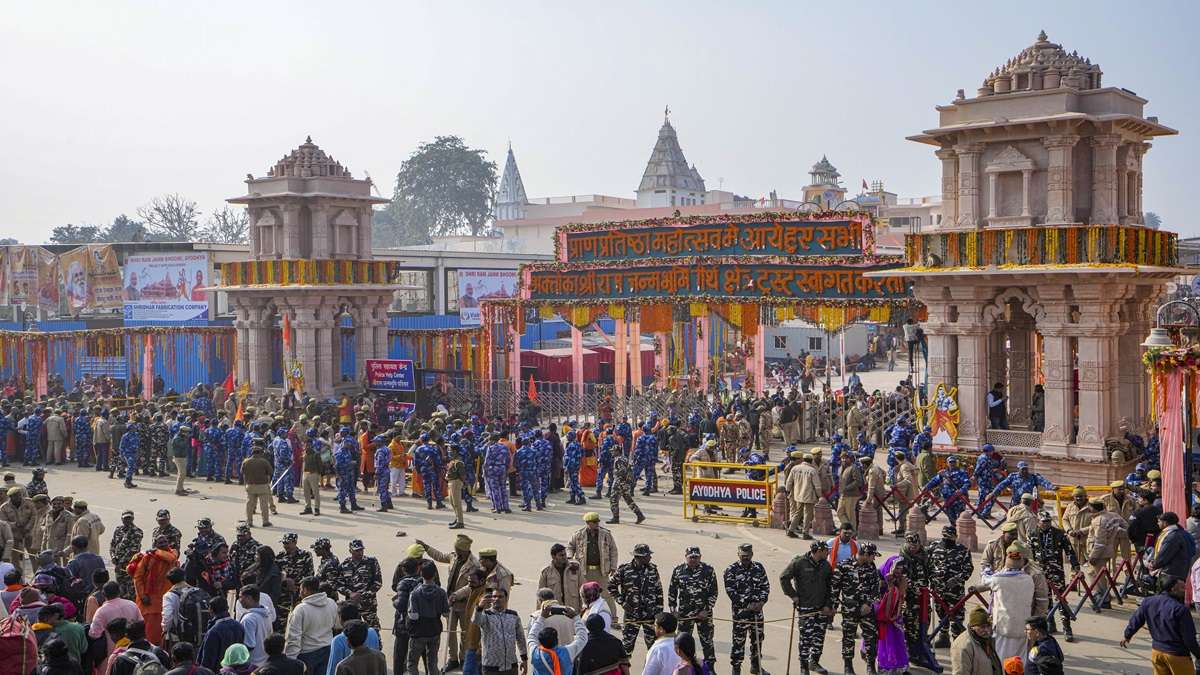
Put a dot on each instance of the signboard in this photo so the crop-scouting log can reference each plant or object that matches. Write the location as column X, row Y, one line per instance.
column 721, row 492
column 801, row 237
column 166, row 287
column 476, row 285
column 710, row 281
column 390, row 375
column 397, row 411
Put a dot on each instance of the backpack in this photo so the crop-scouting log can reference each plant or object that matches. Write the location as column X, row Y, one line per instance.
column 193, row 615
column 144, row 662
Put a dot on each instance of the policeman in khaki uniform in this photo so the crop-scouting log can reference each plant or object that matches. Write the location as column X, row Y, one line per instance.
column 804, row 491
column 1120, row 502
column 1077, row 517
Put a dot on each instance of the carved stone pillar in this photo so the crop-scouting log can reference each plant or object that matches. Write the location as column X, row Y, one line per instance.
column 1020, row 381
column 972, row 385
column 1138, row 212
column 327, row 355
column 382, row 348
column 1060, row 205
column 252, row 216
column 320, row 231
column 1097, row 356
column 1058, row 363
column 242, row 324
column 1026, row 176
column 620, row 357
column 1104, row 178
column 306, row 351
column 968, row 183
column 949, row 185
column 635, row 354
column 364, row 233
column 364, row 338
column 291, row 231
column 993, row 206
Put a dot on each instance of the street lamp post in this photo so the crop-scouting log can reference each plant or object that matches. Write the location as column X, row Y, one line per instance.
column 1160, row 338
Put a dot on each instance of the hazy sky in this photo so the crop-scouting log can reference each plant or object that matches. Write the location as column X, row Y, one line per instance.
column 104, row 105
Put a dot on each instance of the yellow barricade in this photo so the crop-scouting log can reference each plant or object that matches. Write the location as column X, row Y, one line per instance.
column 704, row 495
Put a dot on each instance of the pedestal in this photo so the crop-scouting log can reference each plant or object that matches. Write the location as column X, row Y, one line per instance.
column 966, row 531
column 868, row 524
column 780, row 511
column 916, row 523
column 822, row 517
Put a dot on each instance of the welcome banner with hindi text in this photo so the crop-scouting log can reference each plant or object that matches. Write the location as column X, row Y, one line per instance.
column 794, row 237
column 800, row 282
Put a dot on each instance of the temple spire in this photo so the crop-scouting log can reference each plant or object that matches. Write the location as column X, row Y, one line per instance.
column 510, row 198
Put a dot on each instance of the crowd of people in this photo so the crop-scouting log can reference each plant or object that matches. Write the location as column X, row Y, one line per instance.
column 241, row 607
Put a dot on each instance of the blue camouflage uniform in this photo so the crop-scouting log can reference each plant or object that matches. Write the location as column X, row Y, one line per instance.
column 469, row 454
column 6, row 425
column 427, row 461
column 1137, row 476
column 233, row 450
column 33, row 437
column 213, row 447
column 129, row 449
column 345, row 459
column 202, row 404
column 954, row 483
column 572, row 460
column 526, row 465
column 1022, row 482
column 923, row 441
column 754, row 458
column 281, row 477
column 625, row 431
column 987, row 469
column 644, row 456
column 544, row 454
column 83, row 439
column 604, row 463
column 383, row 462
column 495, row 475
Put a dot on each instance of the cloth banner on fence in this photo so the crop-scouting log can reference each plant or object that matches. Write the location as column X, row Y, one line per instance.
column 1171, row 423
column 23, row 274
column 47, row 281
column 104, row 277
column 148, row 368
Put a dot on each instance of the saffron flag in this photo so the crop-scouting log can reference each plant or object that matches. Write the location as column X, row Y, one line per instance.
column 240, row 414
column 228, row 385
column 532, row 389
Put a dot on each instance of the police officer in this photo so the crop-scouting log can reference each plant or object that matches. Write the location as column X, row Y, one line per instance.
column 622, row 488
column 856, row 585
column 126, row 543
column 747, row 586
column 604, row 463
column 951, row 567
column 953, row 483
column 296, row 565
column 1022, row 482
column 644, row 455
column 691, row 595
column 329, row 568
column 525, row 462
column 82, row 426
column 572, row 460
column 637, row 588
column 233, row 450
column 806, row 580
column 360, row 580
column 214, row 451
column 916, row 566
column 987, row 469
column 543, row 457
column 164, row 528
column 345, row 461
column 128, row 447
column 243, row 553
column 383, row 462
column 427, row 461
column 1048, row 545
column 281, row 474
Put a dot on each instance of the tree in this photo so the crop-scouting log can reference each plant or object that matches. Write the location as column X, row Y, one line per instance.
column 444, row 188
column 396, row 225
column 9, row 241
column 1153, row 220
column 124, row 228
column 227, row 226
column 172, row 217
column 76, row 234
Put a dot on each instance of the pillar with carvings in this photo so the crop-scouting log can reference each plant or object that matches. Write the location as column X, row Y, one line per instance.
column 381, row 327
column 364, row 337
column 319, row 213
column 949, row 184
column 306, row 349
column 242, row 326
column 1137, row 210
column 968, row 183
column 972, row 383
column 1020, row 379
column 364, row 233
column 1060, row 205
column 1104, row 178
column 291, row 231
column 1097, row 355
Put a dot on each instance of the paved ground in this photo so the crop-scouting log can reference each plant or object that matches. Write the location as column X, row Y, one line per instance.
column 524, row 541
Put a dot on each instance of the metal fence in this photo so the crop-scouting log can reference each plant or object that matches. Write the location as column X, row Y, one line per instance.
column 559, row 402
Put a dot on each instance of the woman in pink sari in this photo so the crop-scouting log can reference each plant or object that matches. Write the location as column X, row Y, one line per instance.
column 892, row 658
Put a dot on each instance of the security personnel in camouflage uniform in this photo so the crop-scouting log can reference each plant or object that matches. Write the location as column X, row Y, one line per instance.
column 361, row 579
column 637, row 588
column 622, row 488
column 166, row 529
column 329, row 568
column 691, row 596
column 951, row 566
column 1047, row 546
column 295, row 564
column 126, row 543
column 206, row 538
column 806, row 580
column 748, row 587
column 243, row 554
column 856, row 586
column 916, row 566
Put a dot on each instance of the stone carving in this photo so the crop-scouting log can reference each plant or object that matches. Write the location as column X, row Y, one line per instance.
column 1089, row 436
column 1053, row 434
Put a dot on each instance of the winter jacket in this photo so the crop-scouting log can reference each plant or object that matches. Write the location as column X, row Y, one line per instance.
column 310, row 624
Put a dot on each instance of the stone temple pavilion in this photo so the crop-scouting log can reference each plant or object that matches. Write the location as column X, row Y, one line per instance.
column 1042, row 271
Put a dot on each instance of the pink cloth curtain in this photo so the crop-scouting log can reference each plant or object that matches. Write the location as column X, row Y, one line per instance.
column 1170, row 426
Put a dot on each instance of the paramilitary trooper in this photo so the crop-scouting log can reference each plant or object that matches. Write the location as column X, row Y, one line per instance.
column 748, row 587
column 637, row 588
column 360, row 580
column 856, row 585
column 691, row 596
column 1048, row 545
column 622, row 488
column 950, row 563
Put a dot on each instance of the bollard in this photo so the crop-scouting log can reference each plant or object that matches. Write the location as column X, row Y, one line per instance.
column 916, row 523
column 822, row 517
column 868, row 524
column 966, row 531
column 780, row 511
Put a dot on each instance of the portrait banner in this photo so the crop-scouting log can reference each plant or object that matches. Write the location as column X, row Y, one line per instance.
column 716, row 281
column 23, row 274
column 76, row 282
column 104, row 276
column 47, row 281
column 477, row 285
column 166, row 287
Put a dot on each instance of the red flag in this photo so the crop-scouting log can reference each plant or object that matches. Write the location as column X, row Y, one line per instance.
column 532, row 389
column 228, row 386
column 287, row 336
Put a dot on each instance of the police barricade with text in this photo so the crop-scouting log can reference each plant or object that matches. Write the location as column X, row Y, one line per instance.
column 704, row 495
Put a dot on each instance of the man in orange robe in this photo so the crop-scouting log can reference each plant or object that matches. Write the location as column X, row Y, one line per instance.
column 149, row 571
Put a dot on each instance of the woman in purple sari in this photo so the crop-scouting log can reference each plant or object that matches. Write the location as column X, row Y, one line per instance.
column 892, row 658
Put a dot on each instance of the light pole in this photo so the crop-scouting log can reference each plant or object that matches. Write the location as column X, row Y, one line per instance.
column 1161, row 338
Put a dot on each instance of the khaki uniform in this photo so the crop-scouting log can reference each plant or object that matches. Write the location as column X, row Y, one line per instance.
column 1023, row 517
column 1124, row 509
column 88, row 524
column 1076, row 520
column 565, row 583
column 1104, row 533
column 1041, row 589
column 40, row 511
column 577, row 550
column 992, row 559
column 6, row 536
column 877, row 492
column 850, row 492
column 803, row 491
column 56, row 533
column 824, row 476
column 458, row 623
column 21, row 518
column 927, row 466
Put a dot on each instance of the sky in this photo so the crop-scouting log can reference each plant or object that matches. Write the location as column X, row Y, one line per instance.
column 103, row 106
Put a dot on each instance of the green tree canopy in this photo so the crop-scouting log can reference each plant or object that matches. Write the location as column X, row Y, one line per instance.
column 444, row 188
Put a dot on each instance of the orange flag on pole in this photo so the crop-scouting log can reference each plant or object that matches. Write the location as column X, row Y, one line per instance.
column 240, row 415
column 532, row 389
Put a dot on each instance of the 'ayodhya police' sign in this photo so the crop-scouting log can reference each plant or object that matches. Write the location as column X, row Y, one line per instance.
column 716, row 491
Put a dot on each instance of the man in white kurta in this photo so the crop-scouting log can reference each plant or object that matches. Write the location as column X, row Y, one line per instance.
column 1012, row 603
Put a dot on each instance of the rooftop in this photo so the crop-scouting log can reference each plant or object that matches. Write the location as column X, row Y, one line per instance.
column 308, row 161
